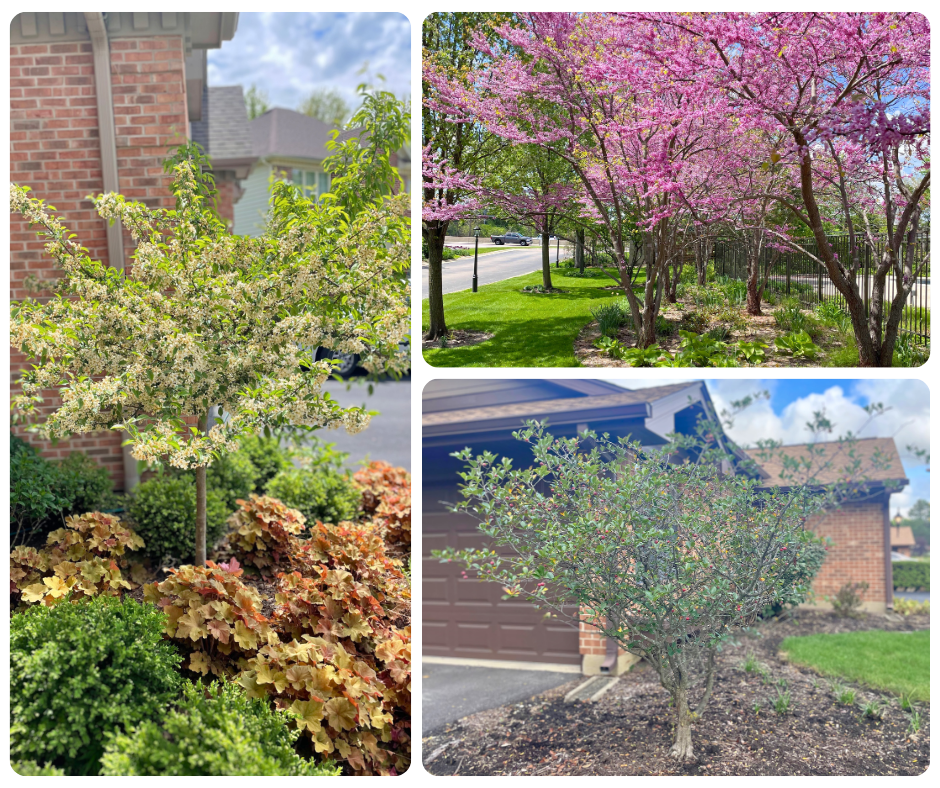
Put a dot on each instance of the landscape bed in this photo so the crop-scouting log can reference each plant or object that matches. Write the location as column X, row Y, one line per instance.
column 628, row 731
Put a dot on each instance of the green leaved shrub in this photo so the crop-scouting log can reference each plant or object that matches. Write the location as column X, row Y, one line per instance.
column 83, row 671
column 911, row 574
column 213, row 731
column 268, row 457
column 322, row 493
column 33, row 769
column 163, row 510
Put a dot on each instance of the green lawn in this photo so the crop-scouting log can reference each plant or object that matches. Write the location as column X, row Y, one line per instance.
column 898, row 662
column 530, row 330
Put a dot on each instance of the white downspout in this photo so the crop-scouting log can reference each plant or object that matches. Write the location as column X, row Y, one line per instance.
column 109, row 173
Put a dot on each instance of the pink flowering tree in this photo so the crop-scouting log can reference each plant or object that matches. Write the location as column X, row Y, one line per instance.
column 455, row 154
column 641, row 147
column 823, row 80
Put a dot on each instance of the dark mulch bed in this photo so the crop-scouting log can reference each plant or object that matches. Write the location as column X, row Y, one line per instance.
column 459, row 338
column 628, row 731
column 759, row 328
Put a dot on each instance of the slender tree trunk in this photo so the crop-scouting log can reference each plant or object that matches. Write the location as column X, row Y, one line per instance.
column 682, row 748
column 201, row 506
column 579, row 250
column 753, row 284
column 435, row 235
column 546, row 263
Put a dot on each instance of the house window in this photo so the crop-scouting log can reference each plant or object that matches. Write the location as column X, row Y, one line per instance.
column 312, row 184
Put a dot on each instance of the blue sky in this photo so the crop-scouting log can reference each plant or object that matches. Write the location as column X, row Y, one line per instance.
column 290, row 54
column 793, row 402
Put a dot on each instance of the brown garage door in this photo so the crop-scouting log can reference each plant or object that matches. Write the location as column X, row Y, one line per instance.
column 469, row 619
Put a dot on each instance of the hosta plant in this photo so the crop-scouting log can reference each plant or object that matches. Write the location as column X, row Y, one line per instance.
column 752, row 352
column 85, row 558
column 386, row 497
column 797, row 343
column 264, row 531
column 215, row 618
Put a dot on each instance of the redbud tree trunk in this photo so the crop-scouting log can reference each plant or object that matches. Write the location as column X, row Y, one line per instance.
column 546, row 263
column 435, row 235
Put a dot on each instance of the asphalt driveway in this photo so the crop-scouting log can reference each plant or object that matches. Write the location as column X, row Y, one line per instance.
column 450, row 692
column 494, row 267
column 388, row 436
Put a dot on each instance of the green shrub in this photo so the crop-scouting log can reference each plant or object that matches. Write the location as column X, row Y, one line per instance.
column 214, row 731
column 610, row 317
column 33, row 769
column 87, row 485
column 164, row 513
column 234, row 477
column 314, row 453
column 82, row 671
column 322, row 493
column 43, row 493
column 911, row 574
column 36, row 496
column 268, row 457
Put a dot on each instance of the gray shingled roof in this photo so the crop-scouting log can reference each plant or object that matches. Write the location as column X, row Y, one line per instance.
column 223, row 131
column 284, row 132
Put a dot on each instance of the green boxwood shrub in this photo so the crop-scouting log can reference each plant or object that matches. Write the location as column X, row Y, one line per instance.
column 42, row 493
column 87, row 484
column 36, row 497
column 911, row 574
column 322, row 493
column 214, row 731
column 268, row 457
column 163, row 510
column 82, row 671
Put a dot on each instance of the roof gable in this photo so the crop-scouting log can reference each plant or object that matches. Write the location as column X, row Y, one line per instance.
column 285, row 133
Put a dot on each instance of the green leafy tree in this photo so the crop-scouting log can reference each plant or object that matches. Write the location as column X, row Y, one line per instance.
column 203, row 317
column 326, row 104
column 256, row 102
column 918, row 518
column 667, row 551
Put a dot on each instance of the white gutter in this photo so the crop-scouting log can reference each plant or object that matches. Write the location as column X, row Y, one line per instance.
column 109, row 172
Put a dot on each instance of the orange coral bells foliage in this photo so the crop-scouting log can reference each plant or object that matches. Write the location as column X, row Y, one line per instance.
column 386, row 497
column 360, row 550
column 215, row 617
column 85, row 558
column 264, row 531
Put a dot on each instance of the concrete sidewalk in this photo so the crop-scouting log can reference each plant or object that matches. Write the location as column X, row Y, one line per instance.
column 450, row 692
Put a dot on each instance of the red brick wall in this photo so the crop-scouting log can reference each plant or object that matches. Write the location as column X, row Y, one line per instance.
column 856, row 555
column 54, row 149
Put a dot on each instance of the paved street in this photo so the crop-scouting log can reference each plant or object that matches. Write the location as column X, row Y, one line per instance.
column 491, row 267
column 388, row 437
column 450, row 692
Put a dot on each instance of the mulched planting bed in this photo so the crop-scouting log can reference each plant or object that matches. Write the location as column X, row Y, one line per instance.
column 459, row 338
column 762, row 328
column 628, row 731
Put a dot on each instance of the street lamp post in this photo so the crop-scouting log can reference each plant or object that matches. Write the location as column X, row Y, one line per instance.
column 557, row 247
column 476, row 254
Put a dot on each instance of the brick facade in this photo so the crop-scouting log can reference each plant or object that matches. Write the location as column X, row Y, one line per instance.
column 857, row 555
column 54, row 149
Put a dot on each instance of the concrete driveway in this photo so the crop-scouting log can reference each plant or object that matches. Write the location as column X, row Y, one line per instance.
column 492, row 267
column 450, row 692
column 388, row 436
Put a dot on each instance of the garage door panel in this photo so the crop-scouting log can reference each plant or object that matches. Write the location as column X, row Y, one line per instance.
column 470, row 619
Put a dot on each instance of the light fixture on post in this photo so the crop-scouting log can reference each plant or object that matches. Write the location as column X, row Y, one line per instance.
column 476, row 251
column 557, row 247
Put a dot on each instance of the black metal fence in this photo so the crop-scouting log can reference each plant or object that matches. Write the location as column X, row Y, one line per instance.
column 798, row 275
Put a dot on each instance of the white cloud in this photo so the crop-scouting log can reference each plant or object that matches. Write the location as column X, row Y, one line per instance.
column 290, row 54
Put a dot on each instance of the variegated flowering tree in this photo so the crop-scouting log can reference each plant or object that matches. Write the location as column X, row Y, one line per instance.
column 667, row 551
column 203, row 317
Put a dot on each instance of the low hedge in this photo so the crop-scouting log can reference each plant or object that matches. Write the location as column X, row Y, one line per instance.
column 911, row 574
